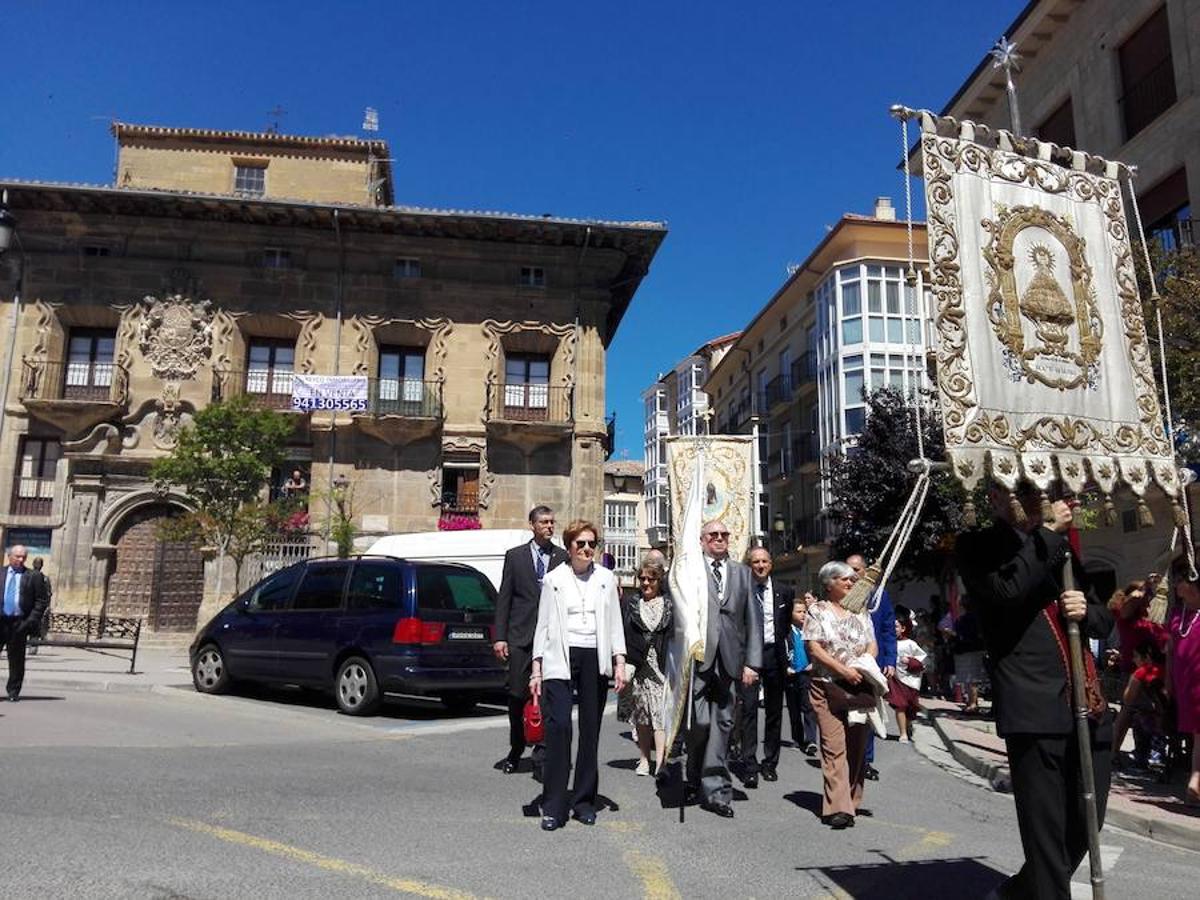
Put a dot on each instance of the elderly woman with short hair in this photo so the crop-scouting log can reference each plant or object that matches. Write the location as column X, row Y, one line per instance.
column 834, row 637
column 578, row 644
column 648, row 625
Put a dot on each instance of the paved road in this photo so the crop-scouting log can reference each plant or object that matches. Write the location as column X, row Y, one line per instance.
column 176, row 795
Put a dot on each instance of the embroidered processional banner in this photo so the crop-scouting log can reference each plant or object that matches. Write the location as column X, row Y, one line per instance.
column 1044, row 371
column 708, row 478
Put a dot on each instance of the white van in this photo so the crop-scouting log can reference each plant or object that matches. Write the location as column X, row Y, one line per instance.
column 482, row 549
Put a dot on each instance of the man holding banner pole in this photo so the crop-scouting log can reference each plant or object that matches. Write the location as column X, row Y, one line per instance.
column 732, row 657
column 1014, row 574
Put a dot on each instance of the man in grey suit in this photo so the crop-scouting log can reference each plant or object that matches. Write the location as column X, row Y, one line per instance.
column 732, row 655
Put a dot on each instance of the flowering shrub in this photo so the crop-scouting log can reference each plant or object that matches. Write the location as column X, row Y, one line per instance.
column 458, row 522
column 296, row 522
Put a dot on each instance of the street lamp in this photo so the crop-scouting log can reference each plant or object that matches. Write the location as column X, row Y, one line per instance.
column 779, row 526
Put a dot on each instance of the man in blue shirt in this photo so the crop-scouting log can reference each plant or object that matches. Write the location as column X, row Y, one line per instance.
column 25, row 596
column 883, row 617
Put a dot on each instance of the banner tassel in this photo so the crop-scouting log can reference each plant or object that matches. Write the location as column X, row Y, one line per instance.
column 1157, row 612
column 1018, row 511
column 856, row 600
column 1179, row 515
column 1110, row 512
column 970, row 519
column 1144, row 516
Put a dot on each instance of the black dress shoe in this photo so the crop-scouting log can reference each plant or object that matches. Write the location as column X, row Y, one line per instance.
column 510, row 766
column 871, row 773
column 810, row 750
column 769, row 774
column 841, row 820
column 724, row 810
column 750, row 782
column 549, row 823
column 585, row 817
column 14, row 696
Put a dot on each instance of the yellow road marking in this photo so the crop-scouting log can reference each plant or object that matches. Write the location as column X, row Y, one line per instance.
column 652, row 871
column 933, row 840
column 329, row 863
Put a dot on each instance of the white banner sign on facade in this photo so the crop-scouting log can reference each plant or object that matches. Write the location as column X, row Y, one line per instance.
column 1044, row 369
column 708, row 478
column 337, row 393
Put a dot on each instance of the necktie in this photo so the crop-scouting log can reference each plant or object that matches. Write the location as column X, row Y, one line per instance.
column 540, row 568
column 761, row 591
column 10, row 594
column 716, row 566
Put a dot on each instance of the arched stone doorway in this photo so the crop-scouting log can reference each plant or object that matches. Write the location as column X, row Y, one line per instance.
column 153, row 579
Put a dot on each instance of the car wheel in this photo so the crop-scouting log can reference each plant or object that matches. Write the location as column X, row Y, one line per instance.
column 209, row 674
column 355, row 687
column 460, row 704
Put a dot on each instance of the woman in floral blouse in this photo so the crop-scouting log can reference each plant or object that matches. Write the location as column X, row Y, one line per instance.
column 834, row 638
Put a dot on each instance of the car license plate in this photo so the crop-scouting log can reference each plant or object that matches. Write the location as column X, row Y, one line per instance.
column 465, row 634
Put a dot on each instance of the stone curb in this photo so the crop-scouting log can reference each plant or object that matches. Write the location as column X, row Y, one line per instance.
column 114, row 686
column 996, row 774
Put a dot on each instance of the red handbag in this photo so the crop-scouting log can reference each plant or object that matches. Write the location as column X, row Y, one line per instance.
column 535, row 730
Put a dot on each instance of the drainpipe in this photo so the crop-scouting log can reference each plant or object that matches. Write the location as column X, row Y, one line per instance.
column 12, row 338
column 579, row 348
column 337, row 366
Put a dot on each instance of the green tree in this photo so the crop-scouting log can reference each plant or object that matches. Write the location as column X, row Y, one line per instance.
column 870, row 483
column 1177, row 273
column 221, row 462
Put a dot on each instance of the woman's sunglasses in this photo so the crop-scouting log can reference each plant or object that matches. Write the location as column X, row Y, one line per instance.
column 579, row 545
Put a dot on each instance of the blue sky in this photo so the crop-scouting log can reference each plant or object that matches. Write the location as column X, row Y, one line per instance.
column 748, row 127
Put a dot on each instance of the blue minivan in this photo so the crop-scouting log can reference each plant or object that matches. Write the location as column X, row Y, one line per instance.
column 361, row 627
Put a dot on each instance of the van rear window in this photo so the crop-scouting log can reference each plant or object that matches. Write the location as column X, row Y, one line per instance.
column 454, row 589
column 374, row 585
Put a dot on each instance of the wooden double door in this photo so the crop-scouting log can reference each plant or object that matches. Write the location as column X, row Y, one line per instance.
column 157, row 580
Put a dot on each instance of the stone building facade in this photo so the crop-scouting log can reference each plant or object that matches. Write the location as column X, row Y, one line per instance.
column 1121, row 80
column 483, row 337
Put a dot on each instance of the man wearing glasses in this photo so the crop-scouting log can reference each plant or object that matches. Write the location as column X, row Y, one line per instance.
column 733, row 649
column 516, row 615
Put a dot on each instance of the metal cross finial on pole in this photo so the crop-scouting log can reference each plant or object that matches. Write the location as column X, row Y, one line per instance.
column 707, row 416
column 1004, row 56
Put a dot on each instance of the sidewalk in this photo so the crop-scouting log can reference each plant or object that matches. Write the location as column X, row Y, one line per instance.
column 1135, row 803
column 70, row 669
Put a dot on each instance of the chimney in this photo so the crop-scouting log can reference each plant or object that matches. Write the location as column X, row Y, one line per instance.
column 884, row 211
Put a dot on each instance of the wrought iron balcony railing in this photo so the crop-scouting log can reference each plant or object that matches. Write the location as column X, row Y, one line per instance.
column 530, row 403
column 405, row 397
column 89, row 381
column 271, row 388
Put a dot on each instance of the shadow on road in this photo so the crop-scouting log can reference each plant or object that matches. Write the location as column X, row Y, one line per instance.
column 919, row 878
column 34, row 698
column 806, row 800
column 413, row 709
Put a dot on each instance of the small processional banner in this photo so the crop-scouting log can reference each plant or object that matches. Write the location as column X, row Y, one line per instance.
column 728, row 485
column 1044, row 370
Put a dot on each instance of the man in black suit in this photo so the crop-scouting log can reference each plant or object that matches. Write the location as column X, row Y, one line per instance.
column 1013, row 574
column 732, row 655
column 516, row 616
column 25, row 597
column 776, row 605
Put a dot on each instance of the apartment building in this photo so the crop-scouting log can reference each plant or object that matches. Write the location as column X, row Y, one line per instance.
column 844, row 322
column 675, row 404
column 1121, row 80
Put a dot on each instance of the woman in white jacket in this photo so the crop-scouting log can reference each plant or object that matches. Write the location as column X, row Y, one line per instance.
column 579, row 644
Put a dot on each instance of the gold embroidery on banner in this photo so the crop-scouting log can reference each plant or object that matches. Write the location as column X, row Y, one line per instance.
column 1054, row 316
column 965, row 423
